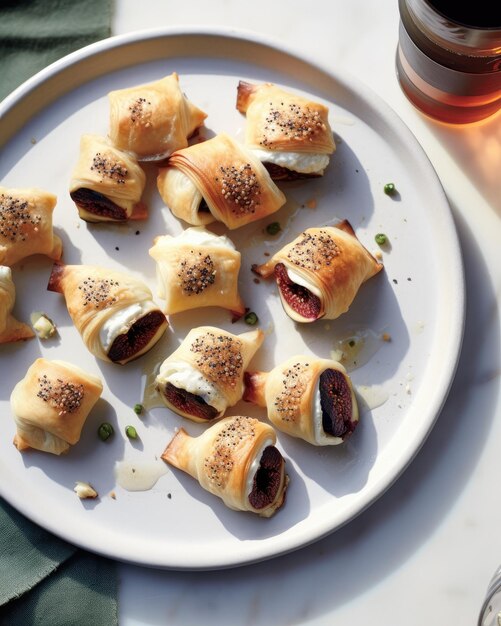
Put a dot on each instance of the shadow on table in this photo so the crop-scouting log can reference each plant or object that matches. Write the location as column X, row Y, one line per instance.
column 476, row 148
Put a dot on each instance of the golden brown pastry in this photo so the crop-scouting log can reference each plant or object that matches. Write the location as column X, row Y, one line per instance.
column 26, row 225
column 10, row 328
column 197, row 269
column 320, row 272
column 306, row 397
column 290, row 134
column 218, row 180
column 50, row 405
column 236, row 460
column 113, row 312
column 204, row 376
column 107, row 183
column 151, row 121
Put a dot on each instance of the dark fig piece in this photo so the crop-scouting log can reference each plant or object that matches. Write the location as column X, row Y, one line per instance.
column 189, row 403
column 336, row 403
column 300, row 299
column 268, row 478
column 94, row 202
column 138, row 337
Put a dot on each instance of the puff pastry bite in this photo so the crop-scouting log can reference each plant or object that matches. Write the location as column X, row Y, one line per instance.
column 107, row 183
column 113, row 312
column 151, row 121
column 290, row 134
column 204, row 376
column 236, row 460
column 50, row 405
column 197, row 269
column 320, row 272
column 218, row 180
column 307, row 397
column 26, row 225
column 10, row 328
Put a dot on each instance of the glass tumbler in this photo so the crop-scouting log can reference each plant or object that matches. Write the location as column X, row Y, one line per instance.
column 449, row 58
column 490, row 613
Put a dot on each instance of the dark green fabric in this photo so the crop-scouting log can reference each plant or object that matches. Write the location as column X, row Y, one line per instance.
column 34, row 33
column 45, row 581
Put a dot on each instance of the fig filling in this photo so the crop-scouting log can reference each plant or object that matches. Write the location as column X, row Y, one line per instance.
column 278, row 172
column 336, row 404
column 267, row 479
column 203, row 207
column 189, row 403
column 97, row 204
column 137, row 337
column 300, row 299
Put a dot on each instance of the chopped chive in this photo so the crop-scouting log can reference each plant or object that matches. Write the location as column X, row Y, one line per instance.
column 381, row 239
column 251, row 318
column 105, row 431
column 131, row 432
column 138, row 409
column 389, row 189
column 273, row 228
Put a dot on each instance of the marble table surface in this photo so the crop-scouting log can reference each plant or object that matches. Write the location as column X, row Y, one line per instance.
column 424, row 552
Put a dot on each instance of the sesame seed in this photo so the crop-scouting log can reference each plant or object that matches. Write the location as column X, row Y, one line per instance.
column 64, row 396
column 196, row 273
column 219, row 357
column 313, row 250
column 109, row 168
column 17, row 218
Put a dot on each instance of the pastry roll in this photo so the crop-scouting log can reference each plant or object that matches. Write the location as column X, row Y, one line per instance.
column 113, row 312
column 151, row 121
column 290, row 134
column 50, row 405
column 10, row 328
column 236, row 460
column 197, row 269
column 320, row 272
column 107, row 183
column 204, row 376
column 306, row 397
column 26, row 225
column 218, row 180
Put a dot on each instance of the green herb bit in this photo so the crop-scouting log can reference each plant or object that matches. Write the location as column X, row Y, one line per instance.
column 381, row 239
column 131, row 432
column 105, row 431
column 251, row 318
column 138, row 409
column 390, row 189
column 274, row 228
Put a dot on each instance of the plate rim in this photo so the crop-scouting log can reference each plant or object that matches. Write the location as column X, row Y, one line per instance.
column 29, row 89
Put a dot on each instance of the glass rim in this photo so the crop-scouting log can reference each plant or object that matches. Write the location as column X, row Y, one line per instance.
column 461, row 37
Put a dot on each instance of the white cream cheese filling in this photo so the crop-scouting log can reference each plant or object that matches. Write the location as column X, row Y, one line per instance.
column 120, row 322
column 297, row 161
column 303, row 282
column 254, row 466
column 200, row 236
column 184, row 376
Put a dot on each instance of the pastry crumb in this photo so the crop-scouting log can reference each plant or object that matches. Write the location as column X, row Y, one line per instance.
column 84, row 490
column 311, row 203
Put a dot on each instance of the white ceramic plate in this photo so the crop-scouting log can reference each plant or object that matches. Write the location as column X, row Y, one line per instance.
column 418, row 300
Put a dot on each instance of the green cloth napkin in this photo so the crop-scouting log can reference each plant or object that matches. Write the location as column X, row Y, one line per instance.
column 34, row 33
column 45, row 581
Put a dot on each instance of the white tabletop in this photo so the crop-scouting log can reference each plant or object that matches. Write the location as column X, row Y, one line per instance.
column 424, row 552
